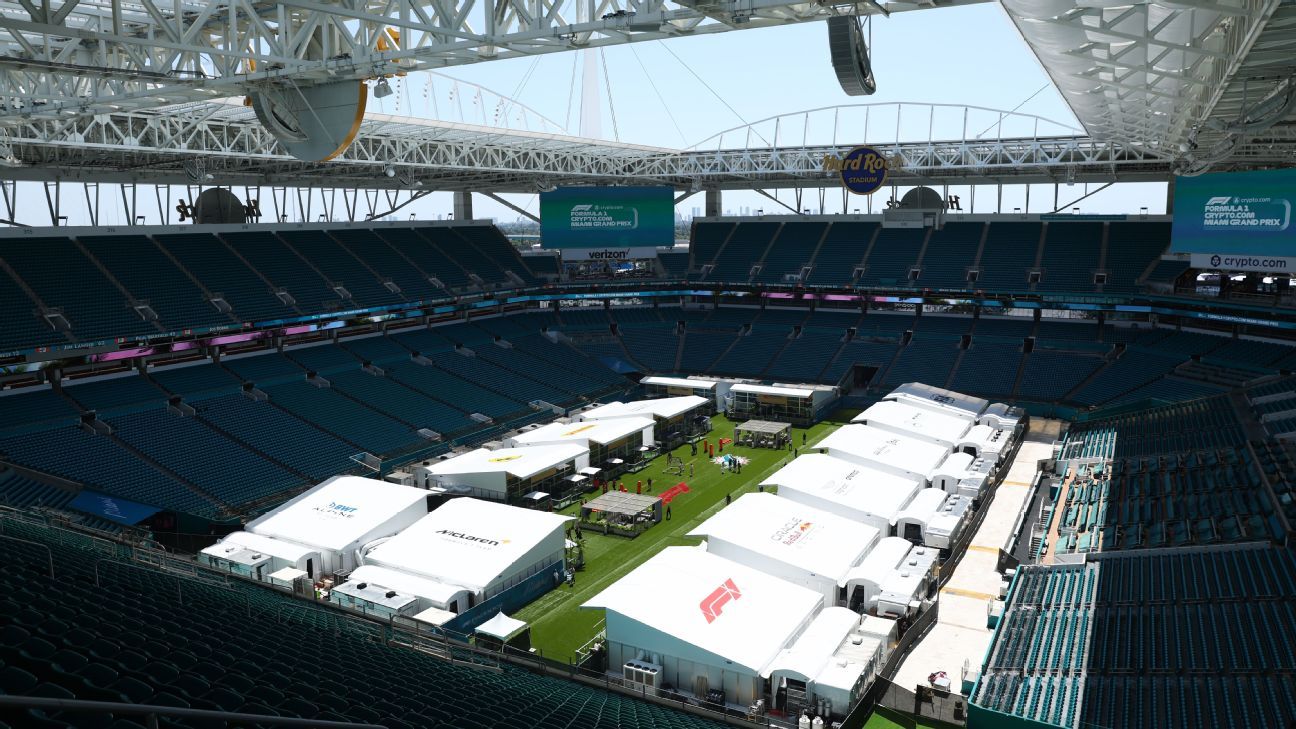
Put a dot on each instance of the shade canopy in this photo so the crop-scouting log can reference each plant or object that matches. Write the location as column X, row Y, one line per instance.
column 501, row 627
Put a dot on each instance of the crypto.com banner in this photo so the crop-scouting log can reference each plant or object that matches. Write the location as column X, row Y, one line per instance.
column 1239, row 221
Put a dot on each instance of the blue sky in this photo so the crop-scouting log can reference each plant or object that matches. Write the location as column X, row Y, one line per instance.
column 966, row 55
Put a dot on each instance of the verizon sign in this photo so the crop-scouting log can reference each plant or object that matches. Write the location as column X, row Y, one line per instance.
column 609, row 254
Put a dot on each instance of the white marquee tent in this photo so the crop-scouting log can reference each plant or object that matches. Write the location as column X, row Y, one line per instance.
column 602, row 432
column 891, row 577
column 663, row 408
column 793, row 541
column 836, row 658
column 900, row 454
column 483, row 547
column 923, row 423
column 938, row 399
column 326, row 525
column 487, row 472
column 712, row 390
column 848, row 489
column 706, row 622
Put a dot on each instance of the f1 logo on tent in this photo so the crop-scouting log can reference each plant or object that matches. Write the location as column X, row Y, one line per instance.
column 713, row 603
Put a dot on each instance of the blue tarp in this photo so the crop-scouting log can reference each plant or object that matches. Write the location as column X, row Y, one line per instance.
column 112, row 508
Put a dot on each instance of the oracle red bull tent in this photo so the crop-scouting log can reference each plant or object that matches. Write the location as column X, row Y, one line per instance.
column 802, row 544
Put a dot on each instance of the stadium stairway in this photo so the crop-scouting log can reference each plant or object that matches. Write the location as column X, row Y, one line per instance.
column 388, row 265
column 427, row 258
column 96, row 308
column 843, row 247
column 787, row 253
column 342, row 270
column 243, row 289
column 153, row 279
column 287, row 271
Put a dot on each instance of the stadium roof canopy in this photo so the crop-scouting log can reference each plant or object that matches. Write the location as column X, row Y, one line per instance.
column 124, row 92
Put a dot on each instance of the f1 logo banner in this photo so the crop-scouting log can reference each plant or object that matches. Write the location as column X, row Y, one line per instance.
column 1239, row 217
column 712, row 604
column 607, row 218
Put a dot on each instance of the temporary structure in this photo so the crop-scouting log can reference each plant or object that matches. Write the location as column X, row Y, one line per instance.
column 320, row 530
column 702, row 622
column 796, row 542
column 885, row 450
column 859, row 492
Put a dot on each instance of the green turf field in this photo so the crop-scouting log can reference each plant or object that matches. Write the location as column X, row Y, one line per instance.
column 883, row 718
column 559, row 626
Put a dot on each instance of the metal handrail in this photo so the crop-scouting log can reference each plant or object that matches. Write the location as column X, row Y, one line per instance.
column 37, row 702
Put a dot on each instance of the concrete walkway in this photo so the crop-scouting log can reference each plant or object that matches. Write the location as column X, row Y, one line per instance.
column 961, row 633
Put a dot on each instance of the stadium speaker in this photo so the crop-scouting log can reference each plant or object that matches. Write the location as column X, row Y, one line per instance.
column 312, row 123
column 850, row 56
column 217, row 205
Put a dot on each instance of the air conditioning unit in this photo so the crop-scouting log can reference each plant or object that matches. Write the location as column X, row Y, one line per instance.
column 641, row 674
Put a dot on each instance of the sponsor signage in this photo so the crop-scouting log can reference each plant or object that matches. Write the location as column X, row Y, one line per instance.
column 1235, row 262
column 792, row 532
column 609, row 254
column 712, row 605
column 610, row 220
column 1074, row 217
column 863, row 170
column 338, row 511
column 1244, row 216
column 470, row 538
column 116, row 509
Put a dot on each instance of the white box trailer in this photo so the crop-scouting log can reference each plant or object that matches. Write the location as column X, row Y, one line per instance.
column 934, row 518
column 893, row 576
